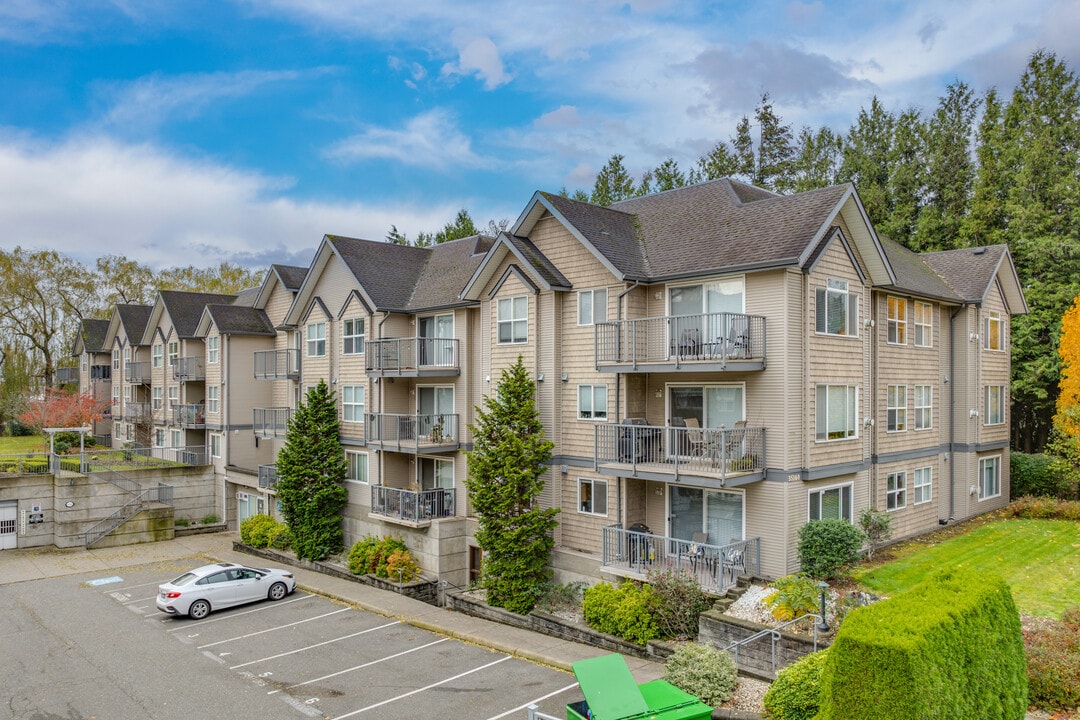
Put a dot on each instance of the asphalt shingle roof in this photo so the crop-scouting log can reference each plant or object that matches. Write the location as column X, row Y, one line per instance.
column 914, row 274
column 290, row 276
column 185, row 308
column 969, row 271
column 93, row 335
column 240, row 320
column 133, row 318
column 539, row 262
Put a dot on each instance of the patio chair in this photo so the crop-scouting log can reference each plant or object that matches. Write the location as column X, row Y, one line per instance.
column 703, row 441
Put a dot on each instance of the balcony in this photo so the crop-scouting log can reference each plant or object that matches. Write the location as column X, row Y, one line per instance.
column 409, row 507
column 271, row 422
column 101, row 372
column 415, row 434
column 189, row 416
column 189, row 369
column 701, row 457
column 268, row 476
column 710, row 342
column 716, row 567
column 277, row 364
column 67, row 375
column 137, row 412
column 137, row 372
column 413, row 357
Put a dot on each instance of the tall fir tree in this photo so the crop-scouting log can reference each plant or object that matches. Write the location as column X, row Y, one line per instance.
column 816, row 159
column 311, row 477
column 865, row 162
column 613, row 183
column 506, row 469
column 717, row 163
column 743, row 151
column 776, row 149
column 950, row 171
column 905, row 184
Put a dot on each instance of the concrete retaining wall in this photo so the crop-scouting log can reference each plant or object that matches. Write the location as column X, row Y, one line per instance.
column 756, row 658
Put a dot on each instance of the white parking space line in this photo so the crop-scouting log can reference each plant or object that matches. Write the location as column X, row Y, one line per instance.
column 538, row 700
column 419, row 690
column 273, row 629
column 200, row 623
column 310, row 647
column 361, row 667
column 148, row 584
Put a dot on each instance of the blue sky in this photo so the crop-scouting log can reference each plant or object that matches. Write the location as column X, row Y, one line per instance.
column 193, row 132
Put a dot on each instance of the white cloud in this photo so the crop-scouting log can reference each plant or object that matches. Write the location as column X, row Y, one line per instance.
column 479, row 56
column 431, row 140
column 90, row 196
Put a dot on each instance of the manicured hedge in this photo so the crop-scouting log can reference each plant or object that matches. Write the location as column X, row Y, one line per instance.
column 948, row 648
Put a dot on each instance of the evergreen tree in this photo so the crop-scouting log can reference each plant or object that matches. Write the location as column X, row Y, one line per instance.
column 775, row 149
column 985, row 222
column 506, row 468
column 905, row 185
column 816, row 160
column 395, row 237
column 613, row 183
column 743, row 146
column 311, row 474
column 950, row 171
column 668, row 176
column 717, row 163
column 462, row 226
column 866, row 159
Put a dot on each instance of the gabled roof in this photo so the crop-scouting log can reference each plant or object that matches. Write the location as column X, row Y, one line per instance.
column 289, row 277
column 235, row 320
column 915, row 275
column 972, row 272
column 529, row 259
column 132, row 319
column 91, row 337
column 184, row 309
column 247, row 297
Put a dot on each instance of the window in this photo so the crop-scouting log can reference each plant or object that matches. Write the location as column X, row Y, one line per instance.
column 922, row 484
column 156, row 395
column 831, row 503
column 513, row 322
column 176, row 439
column 591, row 307
column 436, row 474
column 352, row 403
column 127, row 354
column 157, row 355
column 995, row 404
column 115, row 395
column 213, row 350
column 215, row 445
column 592, row 496
column 896, row 419
column 836, row 417
column 989, row 477
column 352, row 337
column 896, row 491
column 127, row 393
column 213, row 399
column 924, row 407
column 897, row 317
column 174, row 353
column 592, row 402
column 129, row 431
column 837, row 309
column 159, row 437
column 357, row 470
column 116, row 430
column 116, row 359
column 924, row 324
column 316, row 340
column 84, row 362
column 992, row 338
column 174, row 396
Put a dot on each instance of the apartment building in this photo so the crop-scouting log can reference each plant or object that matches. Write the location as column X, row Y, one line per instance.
column 130, row 367
column 716, row 366
column 95, row 372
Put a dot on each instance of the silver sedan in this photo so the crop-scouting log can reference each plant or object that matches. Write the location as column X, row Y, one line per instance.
column 222, row 585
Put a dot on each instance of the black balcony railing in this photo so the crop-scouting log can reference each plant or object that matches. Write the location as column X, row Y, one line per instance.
column 277, row 364
column 716, row 339
column 416, row 356
column 413, row 433
column 271, row 422
column 101, row 372
column 188, row 369
column 412, row 506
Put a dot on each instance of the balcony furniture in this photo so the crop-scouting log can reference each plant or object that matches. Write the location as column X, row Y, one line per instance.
column 698, row 554
column 733, row 562
column 637, row 441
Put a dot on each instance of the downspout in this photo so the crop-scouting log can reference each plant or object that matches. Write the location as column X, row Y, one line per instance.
column 225, row 358
column 952, row 413
column 618, row 384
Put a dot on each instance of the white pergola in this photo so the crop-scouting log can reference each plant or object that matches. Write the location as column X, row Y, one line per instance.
column 82, row 436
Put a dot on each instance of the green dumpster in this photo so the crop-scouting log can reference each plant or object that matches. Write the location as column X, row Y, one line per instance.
column 611, row 694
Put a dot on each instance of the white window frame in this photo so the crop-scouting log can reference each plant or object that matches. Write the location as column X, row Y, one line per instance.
column 437, row 463
column 896, row 490
column 127, row 393
column 159, row 437
column 127, row 355
column 115, row 394
column 350, row 338
column 846, row 492
column 924, row 324
column 587, row 496
column 174, row 353
column 592, row 393
column 922, row 485
column 116, row 430
column 354, row 462
column 995, row 405
column 173, row 396
column 592, row 307
column 896, row 319
column 116, row 359
column 316, row 339
column 896, row 408
column 512, row 313
column 351, row 409
column 213, row 350
column 994, row 335
column 851, row 429
column 837, row 294
column 156, row 400
column 985, row 464
column 213, row 399
column 84, row 362
column 176, row 438
column 923, row 397
column 215, row 444
column 157, row 355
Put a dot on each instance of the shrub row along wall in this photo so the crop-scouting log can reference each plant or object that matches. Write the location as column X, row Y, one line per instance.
column 755, row 658
column 948, row 648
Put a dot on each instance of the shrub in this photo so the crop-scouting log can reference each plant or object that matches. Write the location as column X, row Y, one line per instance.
column 210, row 519
column 950, row 647
column 1044, row 508
column 676, row 602
column 622, row 611
column 59, row 447
column 875, row 528
column 826, row 546
column 566, row 597
column 1039, row 475
column 184, row 522
column 704, row 671
column 280, row 537
column 1053, row 663
column 793, row 596
column 402, row 567
column 369, row 554
column 256, row 530
column 796, row 692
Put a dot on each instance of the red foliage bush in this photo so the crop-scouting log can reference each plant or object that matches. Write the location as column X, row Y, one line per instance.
column 1053, row 659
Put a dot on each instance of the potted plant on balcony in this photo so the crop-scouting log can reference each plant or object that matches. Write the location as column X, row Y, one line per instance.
column 437, row 432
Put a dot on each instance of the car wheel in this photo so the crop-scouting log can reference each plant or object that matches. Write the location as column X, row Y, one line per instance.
column 277, row 591
column 199, row 609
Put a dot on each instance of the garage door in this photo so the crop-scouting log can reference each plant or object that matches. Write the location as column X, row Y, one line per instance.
column 9, row 512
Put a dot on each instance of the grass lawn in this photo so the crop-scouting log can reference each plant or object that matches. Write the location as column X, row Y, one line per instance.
column 1040, row 559
column 28, row 443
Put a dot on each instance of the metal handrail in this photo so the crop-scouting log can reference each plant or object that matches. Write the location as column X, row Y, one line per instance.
column 412, row 505
column 398, row 354
column 161, row 494
column 678, row 449
column 533, row 713
column 716, row 337
column 774, row 635
column 276, row 364
column 190, row 368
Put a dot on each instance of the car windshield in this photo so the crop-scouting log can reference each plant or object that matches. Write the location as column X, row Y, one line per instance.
column 184, row 579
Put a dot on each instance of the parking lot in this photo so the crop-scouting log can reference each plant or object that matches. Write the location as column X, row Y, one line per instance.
column 95, row 646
